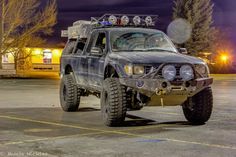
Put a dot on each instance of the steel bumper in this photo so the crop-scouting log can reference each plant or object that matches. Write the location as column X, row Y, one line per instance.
column 149, row 87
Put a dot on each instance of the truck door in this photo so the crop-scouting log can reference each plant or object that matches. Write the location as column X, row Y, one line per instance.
column 96, row 59
column 81, row 65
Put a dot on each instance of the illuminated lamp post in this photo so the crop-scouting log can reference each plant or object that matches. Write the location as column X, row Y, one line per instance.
column 224, row 58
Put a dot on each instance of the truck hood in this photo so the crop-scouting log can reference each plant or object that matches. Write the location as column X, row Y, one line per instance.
column 155, row 57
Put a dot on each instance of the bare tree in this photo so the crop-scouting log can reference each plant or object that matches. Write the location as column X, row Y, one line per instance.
column 23, row 23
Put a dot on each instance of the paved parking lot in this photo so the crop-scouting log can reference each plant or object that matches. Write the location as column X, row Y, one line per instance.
column 32, row 124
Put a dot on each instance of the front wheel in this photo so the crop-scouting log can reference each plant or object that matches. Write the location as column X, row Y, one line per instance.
column 198, row 108
column 113, row 102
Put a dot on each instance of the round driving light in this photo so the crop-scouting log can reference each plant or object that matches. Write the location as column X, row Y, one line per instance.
column 148, row 20
column 124, row 20
column 169, row 72
column 112, row 19
column 137, row 20
column 186, row 72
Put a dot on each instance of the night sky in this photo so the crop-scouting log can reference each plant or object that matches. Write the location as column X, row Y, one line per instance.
column 72, row 10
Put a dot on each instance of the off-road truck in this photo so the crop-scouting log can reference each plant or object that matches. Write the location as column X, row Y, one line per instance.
column 128, row 65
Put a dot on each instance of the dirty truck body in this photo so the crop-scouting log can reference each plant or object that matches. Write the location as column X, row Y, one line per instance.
column 132, row 67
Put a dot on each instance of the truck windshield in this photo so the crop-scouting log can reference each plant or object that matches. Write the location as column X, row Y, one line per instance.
column 142, row 40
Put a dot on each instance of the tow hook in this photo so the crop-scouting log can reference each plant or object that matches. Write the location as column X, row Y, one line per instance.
column 160, row 92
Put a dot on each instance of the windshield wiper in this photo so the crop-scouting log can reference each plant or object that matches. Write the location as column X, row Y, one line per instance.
column 160, row 50
column 130, row 50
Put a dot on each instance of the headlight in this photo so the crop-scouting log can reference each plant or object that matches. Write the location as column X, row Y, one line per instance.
column 169, row 72
column 186, row 72
column 136, row 70
column 202, row 69
column 128, row 69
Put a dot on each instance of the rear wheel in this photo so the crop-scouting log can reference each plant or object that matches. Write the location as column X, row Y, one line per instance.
column 198, row 108
column 113, row 102
column 69, row 94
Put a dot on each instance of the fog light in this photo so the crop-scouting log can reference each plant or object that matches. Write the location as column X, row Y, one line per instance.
column 164, row 85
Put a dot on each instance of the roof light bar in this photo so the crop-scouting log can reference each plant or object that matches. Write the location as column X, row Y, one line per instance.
column 124, row 20
column 82, row 28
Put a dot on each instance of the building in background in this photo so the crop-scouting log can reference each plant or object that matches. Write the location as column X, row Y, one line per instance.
column 40, row 60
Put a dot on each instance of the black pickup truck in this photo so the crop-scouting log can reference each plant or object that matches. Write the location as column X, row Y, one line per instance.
column 128, row 67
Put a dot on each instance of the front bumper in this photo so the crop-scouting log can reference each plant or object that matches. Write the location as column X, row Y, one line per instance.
column 150, row 87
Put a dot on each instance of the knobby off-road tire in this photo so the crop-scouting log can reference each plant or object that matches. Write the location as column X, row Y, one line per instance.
column 113, row 102
column 69, row 94
column 198, row 109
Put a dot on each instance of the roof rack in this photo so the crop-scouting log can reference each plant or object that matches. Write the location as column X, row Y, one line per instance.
column 80, row 29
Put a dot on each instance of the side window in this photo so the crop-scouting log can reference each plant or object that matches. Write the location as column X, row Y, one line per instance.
column 101, row 41
column 80, row 45
column 92, row 41
column 69, row 47
column 98, row 40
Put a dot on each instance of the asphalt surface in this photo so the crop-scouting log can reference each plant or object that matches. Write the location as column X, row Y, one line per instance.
column 33, row 124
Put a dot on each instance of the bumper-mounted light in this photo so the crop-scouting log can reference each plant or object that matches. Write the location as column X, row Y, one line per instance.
column 186, row 72
column 169, row 72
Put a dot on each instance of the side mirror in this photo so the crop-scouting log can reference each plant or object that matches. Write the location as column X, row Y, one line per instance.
column 96, row 51
column 183, row 51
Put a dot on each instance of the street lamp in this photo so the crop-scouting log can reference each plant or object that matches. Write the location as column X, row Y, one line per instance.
column 224, row 58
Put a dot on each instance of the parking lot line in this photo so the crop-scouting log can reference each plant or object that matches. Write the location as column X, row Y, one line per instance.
column 67, row 125
column 101, row 131
column 203, row 144
column 49, row 123
column 50, row 138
